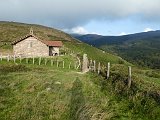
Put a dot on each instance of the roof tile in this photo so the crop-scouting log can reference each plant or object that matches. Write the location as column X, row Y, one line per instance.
column 47, row 42
column 53, row 43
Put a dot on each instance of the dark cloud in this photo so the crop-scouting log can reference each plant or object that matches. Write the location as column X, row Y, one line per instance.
column 71, row 13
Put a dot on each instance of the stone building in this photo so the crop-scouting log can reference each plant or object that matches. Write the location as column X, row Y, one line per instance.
column 30, row 46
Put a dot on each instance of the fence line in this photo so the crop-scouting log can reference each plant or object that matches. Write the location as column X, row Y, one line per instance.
column 87, row 65
column 40, row 61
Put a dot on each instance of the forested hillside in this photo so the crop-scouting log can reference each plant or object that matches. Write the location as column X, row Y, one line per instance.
column 141, row 48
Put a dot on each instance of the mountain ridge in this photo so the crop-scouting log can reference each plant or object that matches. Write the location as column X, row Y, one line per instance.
column 96, row 37
column 140, row 48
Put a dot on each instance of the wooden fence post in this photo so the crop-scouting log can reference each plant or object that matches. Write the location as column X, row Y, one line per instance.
column 99, row 68
column 14, row 59
column 129, row 76
column 94, row 66
column 85, row 64
column 57, row 63
column 45, row 61
column 108, row 70
column 1, row 57
column 8, row 58
column 51, row 62
column 90, row 65
column 20, row 59
column 40, row 60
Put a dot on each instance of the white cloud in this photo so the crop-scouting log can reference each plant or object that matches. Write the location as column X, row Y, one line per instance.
column 79, row 30
column 148, row 29
column 72, row 13
column 122, row 33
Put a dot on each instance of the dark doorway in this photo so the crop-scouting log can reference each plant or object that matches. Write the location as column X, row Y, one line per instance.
column 50, row 51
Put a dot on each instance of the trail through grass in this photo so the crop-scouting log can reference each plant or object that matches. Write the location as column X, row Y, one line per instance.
column 42, row 93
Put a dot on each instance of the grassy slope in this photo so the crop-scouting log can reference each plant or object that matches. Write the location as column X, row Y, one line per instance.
column 10, row 31
column 47, row 93
column 93, row 53
column 35, row 93
column 43, row 92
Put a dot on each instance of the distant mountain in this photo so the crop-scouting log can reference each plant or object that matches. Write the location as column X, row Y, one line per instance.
column 141, row 48
column 98, row 40
column 88, row 37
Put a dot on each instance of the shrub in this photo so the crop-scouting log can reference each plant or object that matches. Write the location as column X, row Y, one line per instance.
column 154, row 74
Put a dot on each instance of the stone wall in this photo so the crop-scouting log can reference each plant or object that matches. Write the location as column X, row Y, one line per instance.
column 31, row 47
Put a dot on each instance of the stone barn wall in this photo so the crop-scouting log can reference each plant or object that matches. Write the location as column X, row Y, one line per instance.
column 31, row 47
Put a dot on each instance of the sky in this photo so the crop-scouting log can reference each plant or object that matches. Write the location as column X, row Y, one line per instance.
column 104, row 17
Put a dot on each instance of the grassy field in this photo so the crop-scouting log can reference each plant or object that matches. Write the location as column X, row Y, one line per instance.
column 36, row 92
column 45, row 92
column 11, row 31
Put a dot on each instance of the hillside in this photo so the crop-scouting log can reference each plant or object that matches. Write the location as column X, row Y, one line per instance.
column 11, row 31
column 141, row 48
column 47, row 92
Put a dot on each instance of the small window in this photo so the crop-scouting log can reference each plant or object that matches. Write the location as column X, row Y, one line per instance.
column 30, row 44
